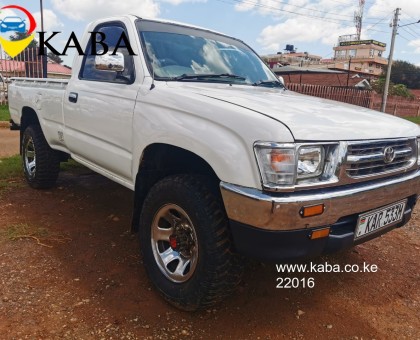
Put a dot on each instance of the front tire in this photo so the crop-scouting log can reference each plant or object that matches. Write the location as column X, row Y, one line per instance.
column 41, row 164
column 185, row 243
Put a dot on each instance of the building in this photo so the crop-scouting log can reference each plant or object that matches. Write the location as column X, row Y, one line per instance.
column 13, row 68
column 292, row 59
column 364, row 57
column 316, row 76
column 58, row 71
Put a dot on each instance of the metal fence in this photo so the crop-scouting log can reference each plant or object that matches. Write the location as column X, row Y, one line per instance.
column 398, row 106
column 27, row 64
column 341, row 94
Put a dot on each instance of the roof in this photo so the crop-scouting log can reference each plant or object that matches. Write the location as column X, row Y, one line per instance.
column 325, row 79
column 57, row 68
column 11, row 66
column 297, row 70
column 19, row 66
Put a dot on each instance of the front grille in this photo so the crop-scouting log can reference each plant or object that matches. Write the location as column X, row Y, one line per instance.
column 366, row 159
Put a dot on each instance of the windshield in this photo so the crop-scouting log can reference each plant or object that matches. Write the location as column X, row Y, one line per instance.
column 12, row 19
column 177, row 53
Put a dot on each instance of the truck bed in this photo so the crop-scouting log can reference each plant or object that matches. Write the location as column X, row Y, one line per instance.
column 46, row 97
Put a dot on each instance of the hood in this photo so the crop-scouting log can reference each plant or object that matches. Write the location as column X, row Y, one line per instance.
column 308, row 118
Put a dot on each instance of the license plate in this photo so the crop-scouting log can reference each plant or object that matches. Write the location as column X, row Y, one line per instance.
column 375, row 220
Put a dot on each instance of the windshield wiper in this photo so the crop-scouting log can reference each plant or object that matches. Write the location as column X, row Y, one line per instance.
column 207, row 76
column 268, row 83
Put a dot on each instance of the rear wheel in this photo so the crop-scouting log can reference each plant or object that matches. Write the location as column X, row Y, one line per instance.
column 186, row 244
column 41, row 164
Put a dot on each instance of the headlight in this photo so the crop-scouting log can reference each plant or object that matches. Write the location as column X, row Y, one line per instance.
column 310, row 161
column 285, row 166
column 21, row 25
column 4, row 25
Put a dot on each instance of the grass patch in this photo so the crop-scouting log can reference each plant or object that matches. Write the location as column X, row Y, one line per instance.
column 42, row 236
column 10, row 174
column 71, row 165
column 4, row 113
column 10, row 167
column 16, row 231
column 413, row 119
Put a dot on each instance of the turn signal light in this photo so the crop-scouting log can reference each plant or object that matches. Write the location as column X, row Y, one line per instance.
column 321, row 233
column 313, row 210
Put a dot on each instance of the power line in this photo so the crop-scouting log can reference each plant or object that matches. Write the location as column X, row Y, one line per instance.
column 407, row 31
column 408, row 15
column 412, row 30
column 277, row 9
column 401, row 36
column 411, row 27
column 257, row 4
column 384, row 18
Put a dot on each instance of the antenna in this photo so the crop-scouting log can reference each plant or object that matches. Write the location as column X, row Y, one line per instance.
column 358, row 18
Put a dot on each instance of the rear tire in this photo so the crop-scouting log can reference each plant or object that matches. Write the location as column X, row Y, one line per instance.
column 41, row 164
column 185, row 243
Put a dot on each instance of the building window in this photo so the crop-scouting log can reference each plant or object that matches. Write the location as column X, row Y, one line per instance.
column 370, row 64
column 372, row 53
column 379, row 53
column 340, row 54
column 351, row 53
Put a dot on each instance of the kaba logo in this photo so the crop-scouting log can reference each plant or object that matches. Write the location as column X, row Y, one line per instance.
column 96, row 38
column 23, row 28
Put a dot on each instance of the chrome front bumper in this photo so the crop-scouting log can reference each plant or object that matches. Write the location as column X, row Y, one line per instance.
column 280, row 212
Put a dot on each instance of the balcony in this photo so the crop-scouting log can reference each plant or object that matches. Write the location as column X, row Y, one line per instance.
column 361, row 59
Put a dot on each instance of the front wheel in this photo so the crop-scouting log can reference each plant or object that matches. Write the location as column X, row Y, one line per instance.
column 186, row 244
column 41, row 164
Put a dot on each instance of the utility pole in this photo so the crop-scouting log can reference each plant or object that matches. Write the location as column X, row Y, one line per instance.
column 348, row 72
column 391, row 54
column 44, row 59
column 41, row 5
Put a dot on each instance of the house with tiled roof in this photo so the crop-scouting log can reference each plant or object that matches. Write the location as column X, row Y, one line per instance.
column 58, row 71
column 14, row 68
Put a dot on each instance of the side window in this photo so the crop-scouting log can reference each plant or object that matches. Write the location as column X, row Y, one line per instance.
column 113, row 34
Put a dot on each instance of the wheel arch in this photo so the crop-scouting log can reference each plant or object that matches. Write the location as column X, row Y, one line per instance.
column 160, row 160
column 29, row 117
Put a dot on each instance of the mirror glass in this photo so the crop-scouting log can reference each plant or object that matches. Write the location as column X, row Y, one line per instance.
column 110, row 62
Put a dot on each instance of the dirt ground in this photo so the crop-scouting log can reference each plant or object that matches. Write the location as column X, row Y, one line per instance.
column 69, row 269
column 9, row 142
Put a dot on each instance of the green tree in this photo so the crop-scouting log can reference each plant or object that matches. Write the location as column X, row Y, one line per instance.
column 55, row 58
column 401, row 90
column 394, row 89
column 378, row 84
column 19, row 36
column 405, row 73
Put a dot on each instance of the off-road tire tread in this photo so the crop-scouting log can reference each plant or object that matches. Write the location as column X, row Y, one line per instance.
column 223, row 266
column 47, row 160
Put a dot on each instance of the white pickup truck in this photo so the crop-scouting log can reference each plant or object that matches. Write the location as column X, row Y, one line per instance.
column 223, row 159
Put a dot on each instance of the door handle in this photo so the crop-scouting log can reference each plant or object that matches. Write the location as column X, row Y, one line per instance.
column 73, row 97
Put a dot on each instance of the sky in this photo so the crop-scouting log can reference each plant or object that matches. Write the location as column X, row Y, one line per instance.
column 266, row 25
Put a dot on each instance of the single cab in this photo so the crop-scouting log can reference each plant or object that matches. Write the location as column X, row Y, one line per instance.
column 223, row 159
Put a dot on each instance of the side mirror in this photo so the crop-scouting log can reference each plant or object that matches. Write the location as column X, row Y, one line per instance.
column 110, row 62
column 281, row 79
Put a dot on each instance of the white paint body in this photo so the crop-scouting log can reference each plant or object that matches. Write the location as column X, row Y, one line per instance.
column 111, row 124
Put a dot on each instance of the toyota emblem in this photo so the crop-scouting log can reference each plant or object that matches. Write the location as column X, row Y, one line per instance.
column 389, row 154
